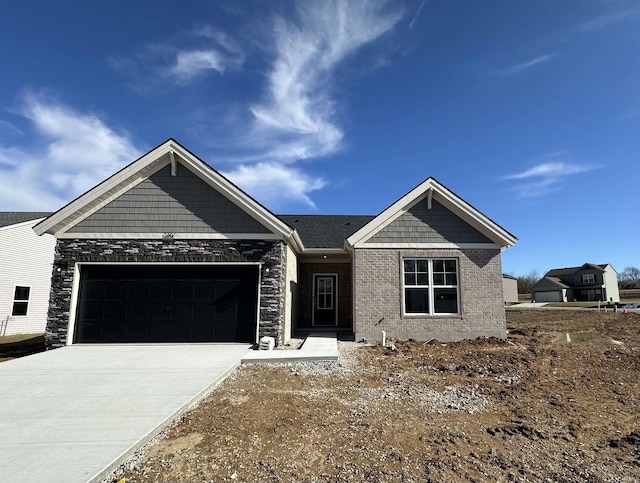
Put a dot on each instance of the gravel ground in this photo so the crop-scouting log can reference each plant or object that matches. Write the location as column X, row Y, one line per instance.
column 532, row 408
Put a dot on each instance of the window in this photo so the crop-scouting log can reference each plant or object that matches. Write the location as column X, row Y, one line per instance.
column 430, row 286
column 588, row 278
column 20, row 301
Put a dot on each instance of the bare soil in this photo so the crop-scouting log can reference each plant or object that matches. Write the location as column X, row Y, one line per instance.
column 540, row 406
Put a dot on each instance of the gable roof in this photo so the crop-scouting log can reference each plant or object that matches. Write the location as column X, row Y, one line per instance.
column 568, row 271
column 8, row 218
column 169, row 152
column 432, row 189
column 555, row 281
column 325, row 231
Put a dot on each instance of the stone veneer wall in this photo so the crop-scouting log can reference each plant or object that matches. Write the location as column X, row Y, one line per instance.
column 378, row 274
column 69, row 251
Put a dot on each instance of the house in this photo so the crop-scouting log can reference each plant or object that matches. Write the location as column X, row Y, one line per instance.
column 25, row 273
column 510, row 289
column 588, row 282
column 169, row 250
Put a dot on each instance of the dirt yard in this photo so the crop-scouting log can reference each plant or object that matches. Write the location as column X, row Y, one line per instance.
column 542, row 406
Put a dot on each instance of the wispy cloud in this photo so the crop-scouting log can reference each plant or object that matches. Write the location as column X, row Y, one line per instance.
column 276, row 183
column 297, row 118
column 189, row 64
column 193, row 54
column 73, row 152
column 607, row 19
column 547, row 175
column 7, row 126
column 415, row 15
column 517, row 68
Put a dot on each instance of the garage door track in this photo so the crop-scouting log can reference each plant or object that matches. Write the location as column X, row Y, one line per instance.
column 74, row 414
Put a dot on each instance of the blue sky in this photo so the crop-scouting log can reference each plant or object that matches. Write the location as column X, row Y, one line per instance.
column 529, row 110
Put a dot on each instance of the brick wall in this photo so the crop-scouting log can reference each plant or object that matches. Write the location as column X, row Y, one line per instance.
column 69, row 251
column 378, row 297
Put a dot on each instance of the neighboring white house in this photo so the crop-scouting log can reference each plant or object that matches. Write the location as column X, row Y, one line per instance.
column 26, row 260
column 510, row 288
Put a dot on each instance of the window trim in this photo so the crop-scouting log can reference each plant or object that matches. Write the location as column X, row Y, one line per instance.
column 16, row 300
column 430, row 288
column 592, row 278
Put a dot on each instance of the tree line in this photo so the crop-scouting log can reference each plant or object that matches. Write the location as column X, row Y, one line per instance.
column 628, row 278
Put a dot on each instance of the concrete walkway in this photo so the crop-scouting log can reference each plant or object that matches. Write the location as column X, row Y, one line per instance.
column 320, row 346
column 72, row 415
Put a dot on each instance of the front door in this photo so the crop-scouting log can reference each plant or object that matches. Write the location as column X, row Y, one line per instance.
column 325, row 302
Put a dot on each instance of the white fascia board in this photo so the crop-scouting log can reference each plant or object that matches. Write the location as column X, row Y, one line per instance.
column 172, row 236
column 295, row 242
column 70, row 209
column 430, row 246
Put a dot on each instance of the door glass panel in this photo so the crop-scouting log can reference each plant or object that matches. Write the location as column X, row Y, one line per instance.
column 324, row 293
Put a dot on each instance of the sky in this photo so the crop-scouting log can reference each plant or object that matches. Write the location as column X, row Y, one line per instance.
column 528, row 110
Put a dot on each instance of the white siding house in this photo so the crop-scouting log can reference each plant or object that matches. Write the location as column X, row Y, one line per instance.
column 26, row 260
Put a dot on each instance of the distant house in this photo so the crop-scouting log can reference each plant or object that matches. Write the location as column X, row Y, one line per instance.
column 26, row 260
column 510, row 288
column 588, row 282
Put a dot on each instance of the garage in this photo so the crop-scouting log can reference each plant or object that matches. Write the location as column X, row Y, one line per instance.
column 548, row 296
column 165, row 303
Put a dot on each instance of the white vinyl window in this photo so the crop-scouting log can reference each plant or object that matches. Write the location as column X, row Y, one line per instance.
column 430, row 286
column 20, row 301
column 588, row 278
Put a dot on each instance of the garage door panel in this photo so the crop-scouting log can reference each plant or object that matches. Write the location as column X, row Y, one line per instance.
column 115, row 290
column 137, row 290
column 90, row 331
column 167, row 304
column 95, row 289
column 548, row 296
column 135, row 331
column 204, row 289
column 115, row 311
column 160, row 290
column 113, row 330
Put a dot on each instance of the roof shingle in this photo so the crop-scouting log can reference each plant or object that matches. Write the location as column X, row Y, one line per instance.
column 325, row 231
column 8, row 218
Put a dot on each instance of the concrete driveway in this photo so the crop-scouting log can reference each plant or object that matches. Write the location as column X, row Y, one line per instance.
column 74, row 414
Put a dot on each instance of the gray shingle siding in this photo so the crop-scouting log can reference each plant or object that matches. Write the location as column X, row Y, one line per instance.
column 170, row 204
column 420, row 225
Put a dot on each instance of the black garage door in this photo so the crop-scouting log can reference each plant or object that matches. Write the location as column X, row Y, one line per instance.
column 134, row 303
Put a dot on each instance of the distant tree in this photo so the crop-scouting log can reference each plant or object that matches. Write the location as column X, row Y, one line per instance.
column 526, row 282
column 629, row 278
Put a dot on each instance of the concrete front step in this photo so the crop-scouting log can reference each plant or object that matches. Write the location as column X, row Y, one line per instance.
column 320, row 346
